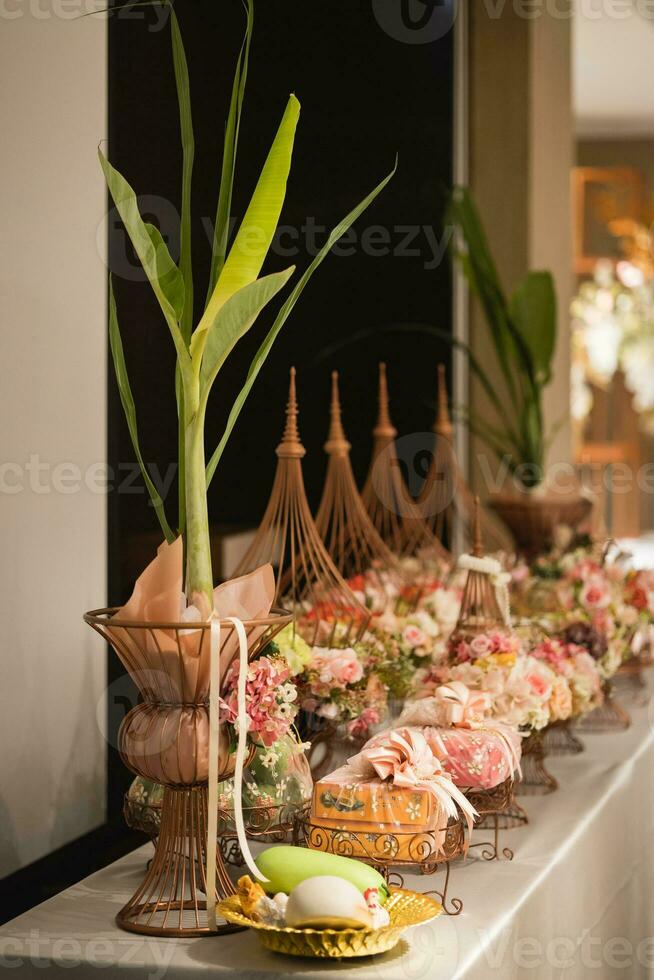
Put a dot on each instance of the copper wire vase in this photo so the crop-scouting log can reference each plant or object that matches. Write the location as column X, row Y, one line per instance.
column 166, row 738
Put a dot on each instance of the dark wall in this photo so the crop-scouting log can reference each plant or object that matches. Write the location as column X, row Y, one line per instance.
column 365, row 97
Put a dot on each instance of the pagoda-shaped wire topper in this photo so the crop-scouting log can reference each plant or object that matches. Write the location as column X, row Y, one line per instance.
column 446, row 502
column 342, row 520
column 325, row 609
column 484, row 604
column 385, row 495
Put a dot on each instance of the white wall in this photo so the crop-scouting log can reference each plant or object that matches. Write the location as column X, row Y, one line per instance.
column 52, row 405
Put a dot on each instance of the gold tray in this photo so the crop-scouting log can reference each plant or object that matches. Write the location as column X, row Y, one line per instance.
column 406, row 909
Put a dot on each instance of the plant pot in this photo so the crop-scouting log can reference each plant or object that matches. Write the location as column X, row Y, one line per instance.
column 532, row 518
column 167, row 738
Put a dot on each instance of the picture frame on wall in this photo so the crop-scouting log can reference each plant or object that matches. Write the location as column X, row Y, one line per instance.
column 601, row 195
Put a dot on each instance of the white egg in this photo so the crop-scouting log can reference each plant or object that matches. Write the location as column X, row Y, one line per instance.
column 327, row 902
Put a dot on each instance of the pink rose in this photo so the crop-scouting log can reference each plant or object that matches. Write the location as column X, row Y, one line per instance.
column 539, row 684
column 360, row 726
column 595, row 593
column 414, row 636
column 346, row 668
column 481, row 645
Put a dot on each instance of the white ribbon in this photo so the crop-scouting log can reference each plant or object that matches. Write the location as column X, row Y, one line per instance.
column 214, row 746
column 241, row 748
column 498, row 577
column 214, row 743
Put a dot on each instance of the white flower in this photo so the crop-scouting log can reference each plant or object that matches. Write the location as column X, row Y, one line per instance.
column 268, row 759
column 328, row 710
column 288, row 692
column 413, row 810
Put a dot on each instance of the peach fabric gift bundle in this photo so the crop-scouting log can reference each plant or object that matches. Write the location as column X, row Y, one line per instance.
column 478, row 753
column 394, row 785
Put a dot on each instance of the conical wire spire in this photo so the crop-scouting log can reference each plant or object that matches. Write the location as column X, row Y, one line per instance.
column 308, row 583
column 443, row 423
column 384, row 428
column 291, row 446
column 446, row 501
column 336, row 440
column 391, row 508
column 342, row 520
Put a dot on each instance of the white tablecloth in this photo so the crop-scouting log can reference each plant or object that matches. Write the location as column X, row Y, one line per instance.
column 577, row 901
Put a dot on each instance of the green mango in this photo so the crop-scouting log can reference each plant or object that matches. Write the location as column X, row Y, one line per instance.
column 285, row 867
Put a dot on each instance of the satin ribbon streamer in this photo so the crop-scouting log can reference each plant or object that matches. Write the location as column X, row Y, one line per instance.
column 499, row 580
column 214, row 745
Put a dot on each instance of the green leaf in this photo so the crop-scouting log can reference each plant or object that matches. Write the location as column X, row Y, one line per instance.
column 265, row 348
column 235, row 318
column 533, row 312
column 483, row 278
column 130, row 412
column 223, row 213
column 188, row 153
column 168, row 274
column 149, row 255
column 252, row 242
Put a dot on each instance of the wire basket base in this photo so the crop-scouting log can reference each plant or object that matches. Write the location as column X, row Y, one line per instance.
column 536, row 780
column 608, row 717
column 422, row 853
column 171, row 900
column 559, row 739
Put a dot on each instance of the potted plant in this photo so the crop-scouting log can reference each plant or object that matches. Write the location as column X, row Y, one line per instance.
column 522, row 330
column 171, row 651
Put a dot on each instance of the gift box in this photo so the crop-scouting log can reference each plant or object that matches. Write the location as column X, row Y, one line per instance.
column 408, row 819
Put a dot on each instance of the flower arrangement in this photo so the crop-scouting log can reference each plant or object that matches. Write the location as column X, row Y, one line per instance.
column 523, row 690
column 576, row 671
column 585, row 602
column 270, row 698
column 639, row 596
column 502, row 645
column 340, row 685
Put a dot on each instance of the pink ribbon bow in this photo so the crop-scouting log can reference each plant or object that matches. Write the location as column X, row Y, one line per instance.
column 460, row 706
column 404, row 757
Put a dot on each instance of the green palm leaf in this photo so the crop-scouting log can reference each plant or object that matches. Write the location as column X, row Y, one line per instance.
column 258, row 227
column 129, row 409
